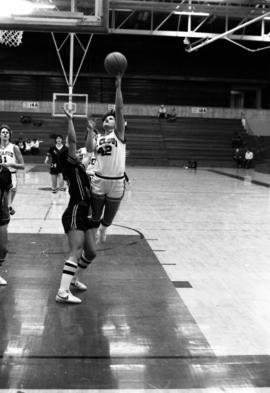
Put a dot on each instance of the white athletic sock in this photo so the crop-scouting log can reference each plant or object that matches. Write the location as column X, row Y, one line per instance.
column 69, row 270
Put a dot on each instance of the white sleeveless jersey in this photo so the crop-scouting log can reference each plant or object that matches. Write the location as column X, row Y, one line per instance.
column 89, row 161
column 8, row 155
column 110, row 155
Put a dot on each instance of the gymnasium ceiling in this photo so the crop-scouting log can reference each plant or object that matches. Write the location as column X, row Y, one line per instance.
column 196, row 22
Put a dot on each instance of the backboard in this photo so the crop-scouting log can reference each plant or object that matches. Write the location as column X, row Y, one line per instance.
column 77, row 103
column 78, row 16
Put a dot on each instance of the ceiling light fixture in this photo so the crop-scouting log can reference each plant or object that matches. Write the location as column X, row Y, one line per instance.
column 191, row 13
column 22, row 7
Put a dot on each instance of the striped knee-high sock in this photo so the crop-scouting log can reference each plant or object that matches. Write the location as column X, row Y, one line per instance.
column 69, row 271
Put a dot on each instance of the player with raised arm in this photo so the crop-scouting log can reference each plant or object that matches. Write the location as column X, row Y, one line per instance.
column 79, row 230
column 108, row 182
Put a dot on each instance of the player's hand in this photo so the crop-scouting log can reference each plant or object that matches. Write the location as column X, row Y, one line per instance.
column 68, row 113
column 91, row 124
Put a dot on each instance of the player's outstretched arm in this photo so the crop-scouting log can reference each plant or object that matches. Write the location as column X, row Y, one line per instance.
column 71, row 134
column 119, row 108
column 90, row 141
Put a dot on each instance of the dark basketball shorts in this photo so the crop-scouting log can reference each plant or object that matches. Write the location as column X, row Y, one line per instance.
column 75, row 217
column 4, row 216
column 55, row 171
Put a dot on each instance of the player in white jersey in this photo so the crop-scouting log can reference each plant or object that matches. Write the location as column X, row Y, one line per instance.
column 89, row 161
column 108, row 182
column 11, row 158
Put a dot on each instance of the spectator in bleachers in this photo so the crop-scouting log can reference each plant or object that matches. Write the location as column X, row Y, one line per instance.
column 238, row 157
column 162, row 112
column 35, row 145
column 248, row 158
column 28, row 146
column 21, row 144
column 37, row 123
column 172, row 115
column 192, row 164
column 26, row 119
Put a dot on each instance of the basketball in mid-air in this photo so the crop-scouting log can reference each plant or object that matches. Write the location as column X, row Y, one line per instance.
column 115, row 63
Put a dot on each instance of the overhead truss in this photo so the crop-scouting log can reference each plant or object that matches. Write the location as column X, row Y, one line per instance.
column 198, row 23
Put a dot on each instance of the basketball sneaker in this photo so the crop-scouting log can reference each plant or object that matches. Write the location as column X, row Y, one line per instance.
column 76, row 284
column 2, row 281
column 65, row 296
column 11, row 211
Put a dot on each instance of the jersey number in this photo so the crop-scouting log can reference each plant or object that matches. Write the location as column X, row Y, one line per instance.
column 4, row 159
column 105, row 150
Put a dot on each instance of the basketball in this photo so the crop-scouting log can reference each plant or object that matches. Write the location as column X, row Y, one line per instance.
column 115, row 63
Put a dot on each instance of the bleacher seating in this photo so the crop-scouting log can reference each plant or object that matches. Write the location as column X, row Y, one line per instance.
column 50, row 126
column 160, row 142
column 149, row 141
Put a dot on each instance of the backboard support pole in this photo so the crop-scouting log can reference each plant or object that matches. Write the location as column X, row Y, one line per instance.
column 71, row 60
column 71, row 63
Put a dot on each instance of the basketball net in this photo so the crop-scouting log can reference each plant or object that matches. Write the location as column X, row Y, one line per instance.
column 11, row 37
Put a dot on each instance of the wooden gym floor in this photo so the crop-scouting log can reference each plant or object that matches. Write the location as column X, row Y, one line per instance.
column 178, row 298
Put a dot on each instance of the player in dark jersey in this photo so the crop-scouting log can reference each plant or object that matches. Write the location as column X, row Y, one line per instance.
column 53, row 157
column 5, row 198
column 79, row 230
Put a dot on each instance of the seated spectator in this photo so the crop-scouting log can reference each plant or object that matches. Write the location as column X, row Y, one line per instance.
column 28, row 146
column 162, row 112
column 35, row 145
column 37, row 123
column 21, row 144
column 192, row 164
column 26, row 119
column 238, row 157
column 172, row 116
column 248, row 158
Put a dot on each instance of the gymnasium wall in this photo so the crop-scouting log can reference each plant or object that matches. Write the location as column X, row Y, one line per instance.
column 258, row 120
column 100, row 88
column 159, row 71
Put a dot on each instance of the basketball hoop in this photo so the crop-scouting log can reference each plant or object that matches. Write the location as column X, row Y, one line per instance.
column 11, row 37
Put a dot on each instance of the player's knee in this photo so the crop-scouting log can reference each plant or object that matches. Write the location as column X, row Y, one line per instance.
column 76, row 252
column 89, row 255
